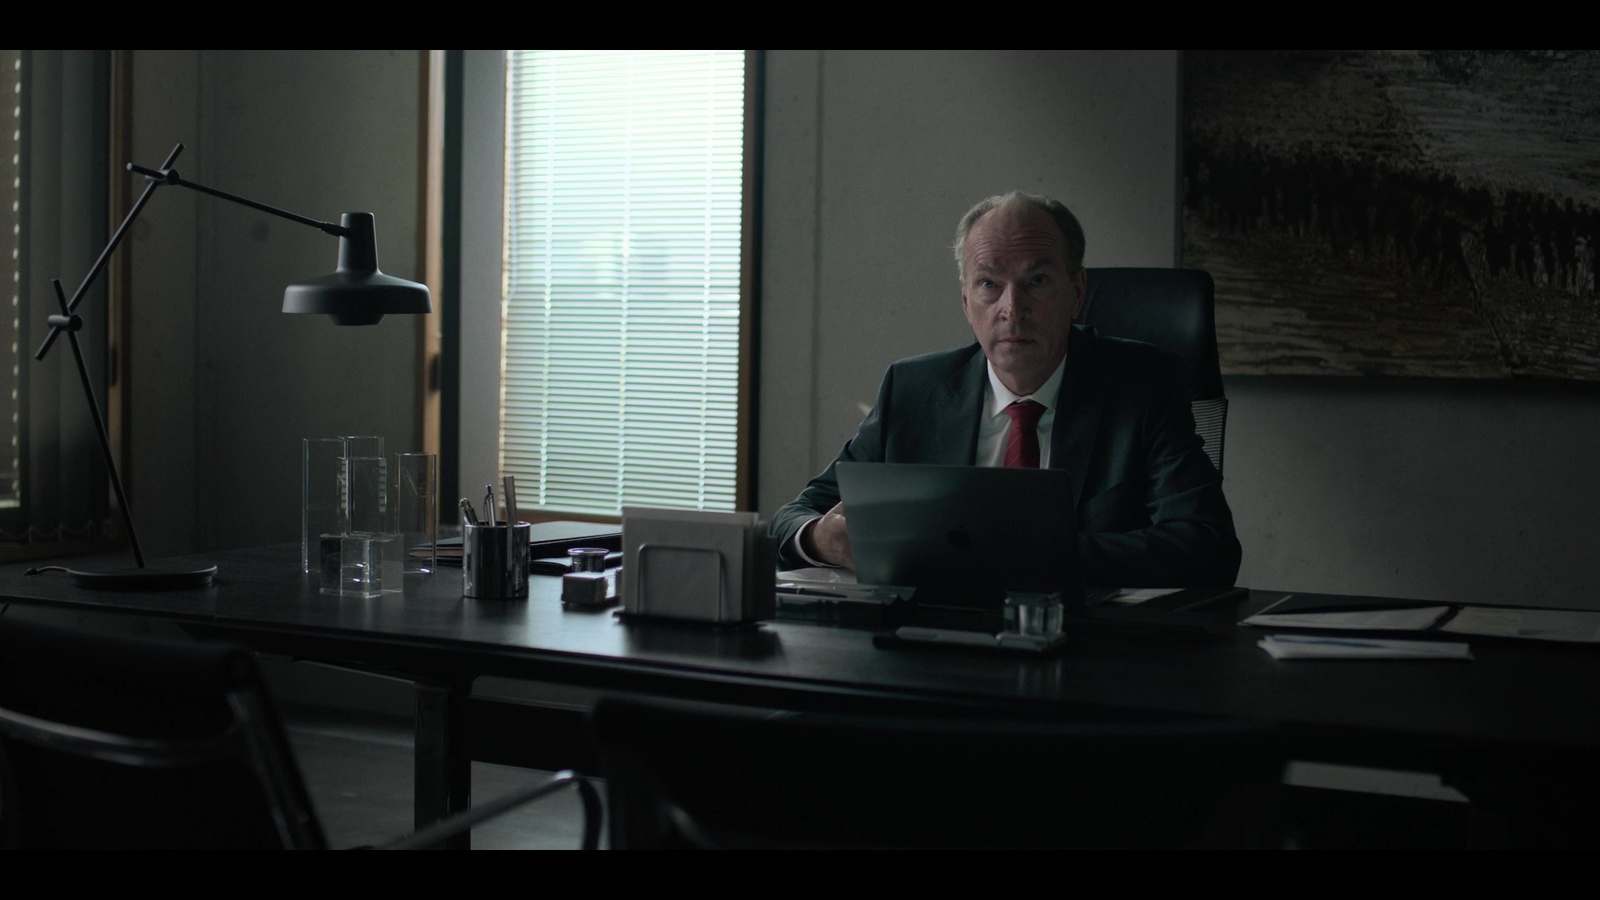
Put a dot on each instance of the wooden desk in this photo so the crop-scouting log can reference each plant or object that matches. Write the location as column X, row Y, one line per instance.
column 1519, row 709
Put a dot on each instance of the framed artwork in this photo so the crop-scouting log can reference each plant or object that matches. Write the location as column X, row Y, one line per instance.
column 1423, row 213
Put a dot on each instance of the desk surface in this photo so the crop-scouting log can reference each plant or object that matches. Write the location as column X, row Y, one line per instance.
column 1515, row 702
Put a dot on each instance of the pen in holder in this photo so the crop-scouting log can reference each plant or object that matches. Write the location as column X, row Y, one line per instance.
column 494, row 560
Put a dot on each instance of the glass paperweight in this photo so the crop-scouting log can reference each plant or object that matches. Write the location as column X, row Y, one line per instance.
column 362, row 564
column 1033, row 614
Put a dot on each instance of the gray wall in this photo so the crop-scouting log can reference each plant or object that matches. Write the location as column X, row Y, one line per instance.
column 1437, row 490
column 1445, row 490
column 225, row 386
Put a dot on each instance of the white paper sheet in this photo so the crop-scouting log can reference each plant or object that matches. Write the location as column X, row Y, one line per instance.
column 1570, row 626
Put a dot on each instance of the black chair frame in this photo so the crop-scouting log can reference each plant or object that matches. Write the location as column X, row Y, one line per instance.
column 117, row 741
column 698, row 777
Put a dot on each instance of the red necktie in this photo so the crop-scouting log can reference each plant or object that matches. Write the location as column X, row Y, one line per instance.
column 1022, row 441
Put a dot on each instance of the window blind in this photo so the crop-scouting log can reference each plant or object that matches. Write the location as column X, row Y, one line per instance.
column 623, row 202
column 11, row 333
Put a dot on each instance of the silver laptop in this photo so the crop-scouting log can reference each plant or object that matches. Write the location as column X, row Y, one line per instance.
column 961, row 535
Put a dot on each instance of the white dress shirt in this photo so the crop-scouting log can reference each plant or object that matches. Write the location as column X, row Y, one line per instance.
column 994, row 424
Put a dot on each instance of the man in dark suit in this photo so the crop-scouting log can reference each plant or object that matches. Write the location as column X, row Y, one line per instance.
column 1037, row 390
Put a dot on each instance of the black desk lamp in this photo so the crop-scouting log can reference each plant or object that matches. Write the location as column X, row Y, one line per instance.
column 355, row 294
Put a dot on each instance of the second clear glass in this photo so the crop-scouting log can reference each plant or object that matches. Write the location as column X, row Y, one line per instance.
column 416, row 510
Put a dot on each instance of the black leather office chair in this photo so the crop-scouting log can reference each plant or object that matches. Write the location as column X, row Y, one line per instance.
column 1174, row 309
column 703, row 777
column 121, row 742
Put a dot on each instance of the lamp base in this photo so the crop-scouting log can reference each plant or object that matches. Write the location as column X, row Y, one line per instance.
column 161, row 575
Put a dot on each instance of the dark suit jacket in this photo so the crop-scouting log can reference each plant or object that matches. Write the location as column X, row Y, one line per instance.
column 1150, row 508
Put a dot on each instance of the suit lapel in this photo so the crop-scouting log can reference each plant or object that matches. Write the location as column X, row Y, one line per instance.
column 1072, row 439
column 955, row 416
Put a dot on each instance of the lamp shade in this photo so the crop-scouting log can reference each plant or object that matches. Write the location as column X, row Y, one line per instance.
column 357, row 293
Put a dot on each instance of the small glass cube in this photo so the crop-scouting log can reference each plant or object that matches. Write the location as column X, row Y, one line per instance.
column 362, row 564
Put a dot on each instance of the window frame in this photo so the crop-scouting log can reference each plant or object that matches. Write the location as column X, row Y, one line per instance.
column 471, row 145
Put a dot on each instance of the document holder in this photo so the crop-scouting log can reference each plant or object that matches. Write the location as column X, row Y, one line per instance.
column 714, row 568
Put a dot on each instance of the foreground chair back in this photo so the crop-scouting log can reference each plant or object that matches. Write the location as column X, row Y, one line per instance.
column 112, row 741
column 715, row 778
column 1173, row 309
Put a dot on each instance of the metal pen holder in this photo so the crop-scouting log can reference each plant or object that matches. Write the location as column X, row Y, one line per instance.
column 492, row 568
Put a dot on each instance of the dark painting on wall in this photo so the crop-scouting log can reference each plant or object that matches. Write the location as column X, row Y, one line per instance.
column 1422, row 213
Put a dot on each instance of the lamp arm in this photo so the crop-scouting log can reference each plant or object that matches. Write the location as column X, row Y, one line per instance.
column 105, row 255
column 166, row 175
column 156, row 178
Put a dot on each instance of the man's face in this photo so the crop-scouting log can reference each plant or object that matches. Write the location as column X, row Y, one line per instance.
column 1018, row 295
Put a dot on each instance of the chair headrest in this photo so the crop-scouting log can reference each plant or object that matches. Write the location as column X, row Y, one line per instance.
column 1171, row 308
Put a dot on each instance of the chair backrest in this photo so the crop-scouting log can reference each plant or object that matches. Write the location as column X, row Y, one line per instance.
column 704, row 777
column 1173, row 309
column 118, row 741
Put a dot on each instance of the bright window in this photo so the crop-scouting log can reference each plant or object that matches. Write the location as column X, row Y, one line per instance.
column 623, row 190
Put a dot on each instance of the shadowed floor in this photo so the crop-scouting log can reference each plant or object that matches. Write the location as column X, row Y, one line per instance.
column 359, row 771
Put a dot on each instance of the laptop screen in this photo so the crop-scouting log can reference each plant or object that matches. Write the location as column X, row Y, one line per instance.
column 961, row 535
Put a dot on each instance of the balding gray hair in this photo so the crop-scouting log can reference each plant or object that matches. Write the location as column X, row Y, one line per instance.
column 1071, row 232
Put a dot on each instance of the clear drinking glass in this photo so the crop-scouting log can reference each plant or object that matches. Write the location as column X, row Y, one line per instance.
column 416, row 510
column 366, row 484
column 363, row 445
column 321, row 497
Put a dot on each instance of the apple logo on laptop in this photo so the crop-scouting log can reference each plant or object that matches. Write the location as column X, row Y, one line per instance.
column 960, row 538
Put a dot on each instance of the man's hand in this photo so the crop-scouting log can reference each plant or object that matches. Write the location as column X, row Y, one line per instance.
column 828, row 540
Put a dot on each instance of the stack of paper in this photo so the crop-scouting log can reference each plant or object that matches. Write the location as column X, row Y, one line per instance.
column 1417, row 618
column 818, row 575
column 1575, row 626
column 838, row 584
column 1296, row 646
